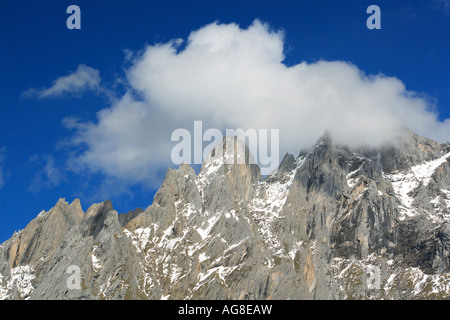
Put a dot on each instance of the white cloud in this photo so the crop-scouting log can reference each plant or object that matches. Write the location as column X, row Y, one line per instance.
column 129, row 141
column 231, row 77
column 83, row 79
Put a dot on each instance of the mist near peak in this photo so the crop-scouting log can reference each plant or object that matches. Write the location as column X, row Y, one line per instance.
column 233, row 77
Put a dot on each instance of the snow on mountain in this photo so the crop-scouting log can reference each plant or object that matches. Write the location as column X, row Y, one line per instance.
column 332, row 223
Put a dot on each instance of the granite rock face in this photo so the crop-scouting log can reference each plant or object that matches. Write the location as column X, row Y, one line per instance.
column 330, row 223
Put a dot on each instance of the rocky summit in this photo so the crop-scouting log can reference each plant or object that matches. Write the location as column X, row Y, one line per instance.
column 330, row 223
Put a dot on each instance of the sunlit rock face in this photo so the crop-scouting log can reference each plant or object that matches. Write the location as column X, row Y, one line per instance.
column 330, row 223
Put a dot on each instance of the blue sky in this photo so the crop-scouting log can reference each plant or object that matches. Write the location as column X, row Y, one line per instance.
column 44, row 152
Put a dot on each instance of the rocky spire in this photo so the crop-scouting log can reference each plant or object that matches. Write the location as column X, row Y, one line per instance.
column 331, row 223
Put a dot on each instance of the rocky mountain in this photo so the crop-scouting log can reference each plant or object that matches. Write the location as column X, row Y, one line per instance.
column 330, row 223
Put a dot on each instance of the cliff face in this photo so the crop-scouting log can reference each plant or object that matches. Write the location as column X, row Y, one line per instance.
column 331, row 223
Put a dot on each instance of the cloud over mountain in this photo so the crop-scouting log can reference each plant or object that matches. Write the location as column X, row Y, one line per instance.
column 233, row 77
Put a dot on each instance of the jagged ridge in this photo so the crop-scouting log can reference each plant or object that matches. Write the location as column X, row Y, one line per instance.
column 315, row 229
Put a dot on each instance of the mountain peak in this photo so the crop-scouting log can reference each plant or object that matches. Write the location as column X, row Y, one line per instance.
column 315, row 229
column 325, row 138
column 230, row 156
column 229, row 150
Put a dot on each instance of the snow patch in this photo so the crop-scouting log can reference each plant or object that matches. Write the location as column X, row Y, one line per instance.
column 424, row 171
column 202, row 257
column 404, row 183
column 96, row 264
column 220, row 271
column 266, row 210
column 204, row 232
column 21, row 279
column 351, row 182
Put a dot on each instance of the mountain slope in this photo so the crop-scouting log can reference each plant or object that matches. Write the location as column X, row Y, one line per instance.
column 331, row 223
